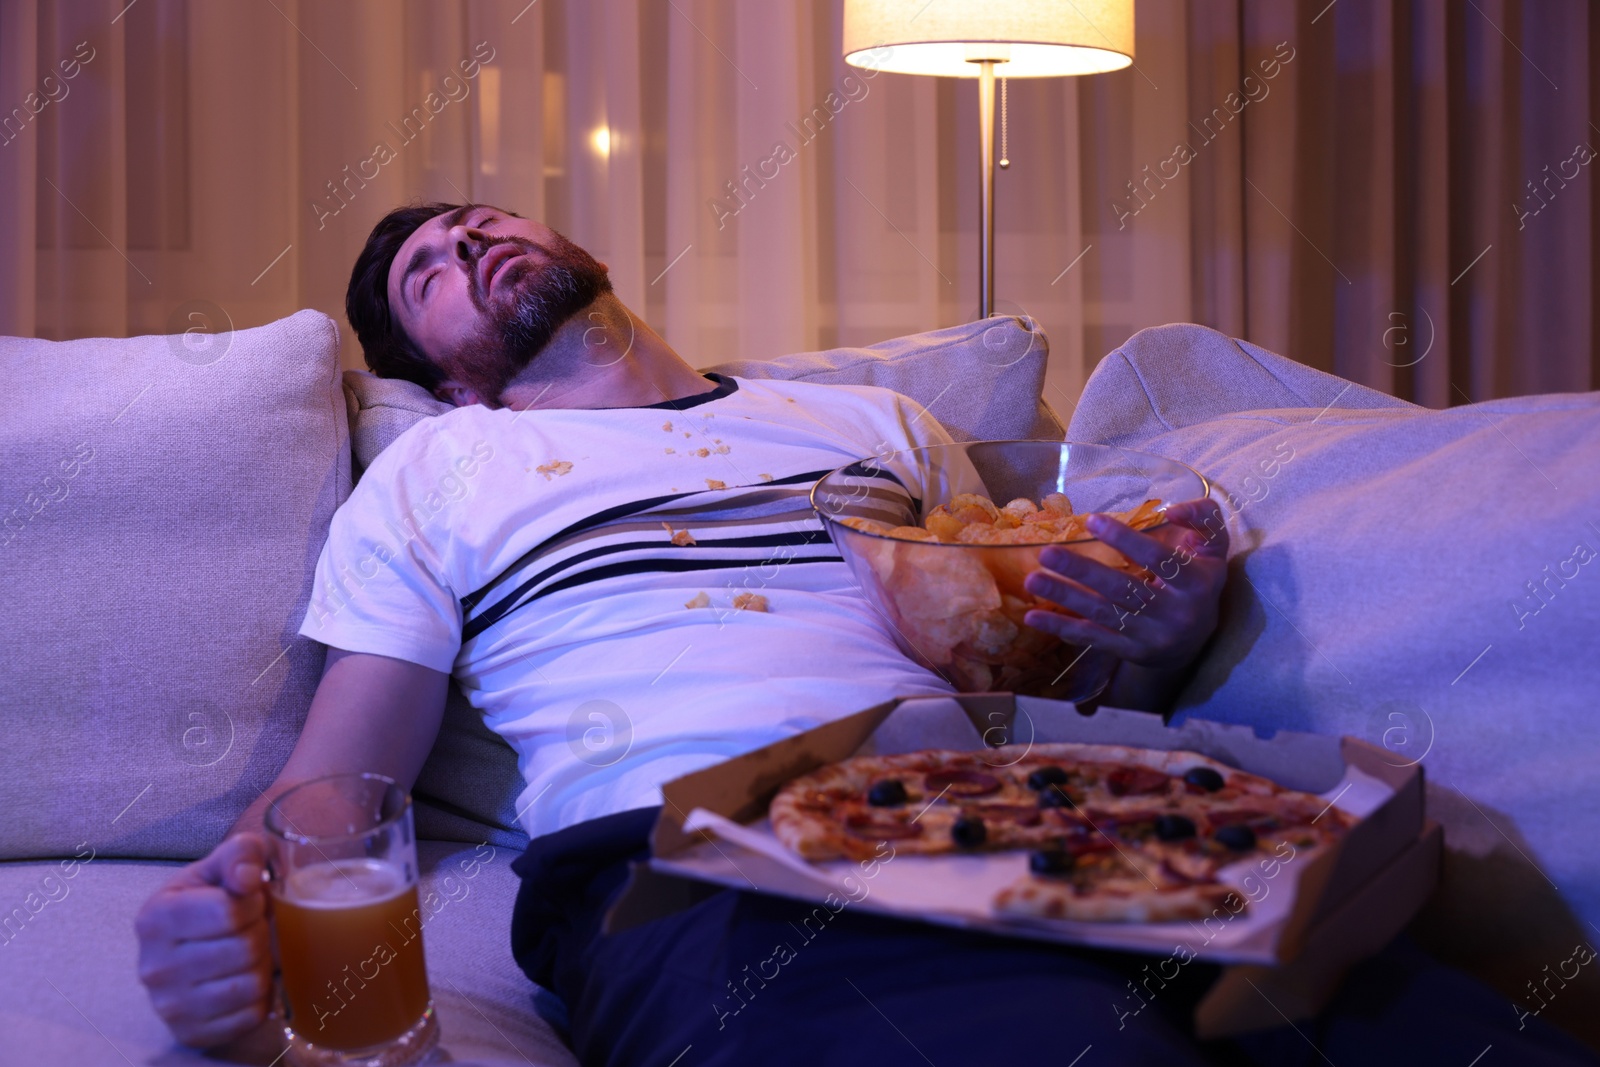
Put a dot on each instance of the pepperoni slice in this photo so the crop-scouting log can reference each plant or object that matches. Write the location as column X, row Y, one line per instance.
column 1081, row 840
column 1087, row 845
column 1013, row 814
column 877, row 828
column 1177, row 876
column 1130, row 816
column 1069, row 818
column 1134, row 781
column 1229, row 816
column 962, row 783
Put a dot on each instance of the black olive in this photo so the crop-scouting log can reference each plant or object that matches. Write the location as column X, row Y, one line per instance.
column 1204, row 778
column 969, row 832
column 1055, row 797
column 1236, row 836
column 889, row 793
column 1047, row 776
column 1050, row 861
column 1173, row 827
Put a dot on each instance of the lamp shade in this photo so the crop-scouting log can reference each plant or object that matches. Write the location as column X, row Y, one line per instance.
column 1031, row 38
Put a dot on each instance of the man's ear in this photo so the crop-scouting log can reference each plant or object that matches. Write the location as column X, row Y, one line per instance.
column 453, row 392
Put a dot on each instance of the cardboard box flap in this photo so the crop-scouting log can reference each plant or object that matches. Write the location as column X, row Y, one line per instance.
column 1371, row 845
column 961, row 724
column 1248, row 997
column 741, row 788
column 1374, row 842
column 1312, row 763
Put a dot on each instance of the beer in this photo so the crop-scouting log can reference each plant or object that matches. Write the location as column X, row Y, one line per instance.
column 347, row 925
column 350, row 944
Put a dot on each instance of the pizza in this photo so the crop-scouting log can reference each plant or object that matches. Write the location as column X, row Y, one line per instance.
column 1115, row 834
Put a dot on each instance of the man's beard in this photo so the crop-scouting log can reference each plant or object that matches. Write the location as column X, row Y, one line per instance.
column 542, row 298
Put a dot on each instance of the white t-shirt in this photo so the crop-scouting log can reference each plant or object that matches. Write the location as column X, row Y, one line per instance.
column 525, row 553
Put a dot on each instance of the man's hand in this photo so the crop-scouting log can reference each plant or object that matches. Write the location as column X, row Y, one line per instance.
column 1161, row 623
column 204, row 951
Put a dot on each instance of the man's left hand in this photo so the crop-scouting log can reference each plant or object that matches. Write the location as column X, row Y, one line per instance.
column 1161, row 623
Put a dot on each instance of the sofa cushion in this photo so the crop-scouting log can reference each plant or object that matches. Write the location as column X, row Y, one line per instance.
column 1426, row 580
column 167, row 497
column 983, row 381
column 70, row 935
column 467, row 789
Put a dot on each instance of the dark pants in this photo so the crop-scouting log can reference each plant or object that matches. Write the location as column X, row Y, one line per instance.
column 742, row 979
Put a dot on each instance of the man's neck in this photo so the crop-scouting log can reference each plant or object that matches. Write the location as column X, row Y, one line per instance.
column 603, row 357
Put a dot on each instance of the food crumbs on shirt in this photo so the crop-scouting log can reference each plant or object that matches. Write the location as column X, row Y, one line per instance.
column 713, row 483
column 702, row 452
column 700, row 601
column 790, row 399
column 667, row 426
column 558, row 467
column 750, row 602
column 721, row 450
column 681, row 538
column 671, row 450
column 766, row 477
column 686, row 433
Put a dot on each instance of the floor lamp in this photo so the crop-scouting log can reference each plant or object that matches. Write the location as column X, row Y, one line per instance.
column 985, row 39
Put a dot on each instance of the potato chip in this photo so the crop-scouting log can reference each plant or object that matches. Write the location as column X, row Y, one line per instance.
column 1057, row 503
column 866, row 525
column 1019, row 507
column 974, row 520
column 911, row 533
column 750, row 602
column 970, row 507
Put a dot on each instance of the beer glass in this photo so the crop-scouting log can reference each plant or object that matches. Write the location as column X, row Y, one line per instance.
column 347, row 924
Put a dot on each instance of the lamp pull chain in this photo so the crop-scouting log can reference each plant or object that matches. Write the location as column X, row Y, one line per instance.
column 1005, row 156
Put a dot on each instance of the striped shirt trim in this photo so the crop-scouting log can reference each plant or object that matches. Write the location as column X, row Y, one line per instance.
column 735, row 509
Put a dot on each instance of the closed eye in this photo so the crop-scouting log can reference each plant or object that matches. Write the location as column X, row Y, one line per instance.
column 422, row 289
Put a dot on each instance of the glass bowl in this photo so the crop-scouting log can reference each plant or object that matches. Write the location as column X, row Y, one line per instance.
column 957, row 607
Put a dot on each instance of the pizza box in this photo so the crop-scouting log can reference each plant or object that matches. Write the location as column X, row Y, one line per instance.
column 1307, row 919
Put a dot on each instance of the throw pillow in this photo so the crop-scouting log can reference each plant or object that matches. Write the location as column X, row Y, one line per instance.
column 166, row 499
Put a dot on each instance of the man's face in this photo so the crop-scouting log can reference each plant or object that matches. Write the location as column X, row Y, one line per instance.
column 481, row 292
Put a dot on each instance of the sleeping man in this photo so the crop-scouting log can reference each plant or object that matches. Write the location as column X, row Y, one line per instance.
column 529, row 542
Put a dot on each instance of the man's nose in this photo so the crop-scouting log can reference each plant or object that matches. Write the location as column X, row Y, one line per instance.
column 466, row 244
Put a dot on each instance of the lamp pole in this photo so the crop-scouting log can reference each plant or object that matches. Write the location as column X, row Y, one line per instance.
column 986, row 168
column 1051, row 38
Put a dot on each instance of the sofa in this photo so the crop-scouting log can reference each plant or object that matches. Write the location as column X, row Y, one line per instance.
column 168, row 498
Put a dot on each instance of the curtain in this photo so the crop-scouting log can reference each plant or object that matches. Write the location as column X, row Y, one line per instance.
column 1397, row 191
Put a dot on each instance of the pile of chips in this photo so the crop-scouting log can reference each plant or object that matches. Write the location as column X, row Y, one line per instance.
column 973, row 519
